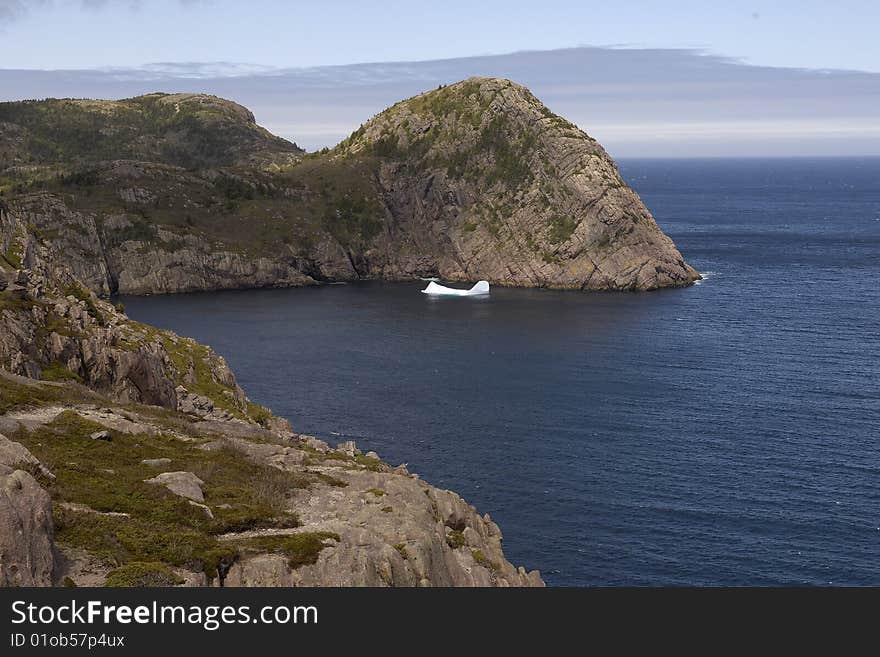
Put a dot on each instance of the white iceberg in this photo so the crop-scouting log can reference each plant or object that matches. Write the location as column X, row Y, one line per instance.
column 482, row 287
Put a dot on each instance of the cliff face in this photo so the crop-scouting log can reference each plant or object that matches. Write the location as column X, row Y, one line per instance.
column 129, row 456
column 477, row 180
column 481, row 180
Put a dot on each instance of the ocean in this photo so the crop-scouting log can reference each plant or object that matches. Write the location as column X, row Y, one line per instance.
column 723, row 434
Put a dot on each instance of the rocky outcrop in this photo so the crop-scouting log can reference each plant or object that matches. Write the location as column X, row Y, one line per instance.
column 477, row 180
column 482, row 181
column 15, row 456
column 394, row 530
column 52, row 327
column 356, row 520
column 27, row 556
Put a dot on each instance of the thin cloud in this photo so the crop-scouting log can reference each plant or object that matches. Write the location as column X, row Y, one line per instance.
column 656, row 102
column 12, row 10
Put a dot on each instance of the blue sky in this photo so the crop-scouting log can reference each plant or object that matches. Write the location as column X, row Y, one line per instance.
column 94, row 33
column 646, row 79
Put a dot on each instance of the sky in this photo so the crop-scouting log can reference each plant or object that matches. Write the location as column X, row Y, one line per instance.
column 645, row 78
column 285, row 33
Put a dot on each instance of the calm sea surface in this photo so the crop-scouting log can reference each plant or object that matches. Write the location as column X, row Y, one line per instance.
column 728, row 433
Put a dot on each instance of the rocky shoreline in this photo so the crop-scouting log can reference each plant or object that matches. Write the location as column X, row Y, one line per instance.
column 129, row 456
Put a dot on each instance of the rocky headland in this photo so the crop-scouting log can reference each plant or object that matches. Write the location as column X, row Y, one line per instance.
column 475, row 180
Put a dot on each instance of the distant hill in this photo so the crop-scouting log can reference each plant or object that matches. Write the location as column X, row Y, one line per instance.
column 186, row 130
column 476, row 180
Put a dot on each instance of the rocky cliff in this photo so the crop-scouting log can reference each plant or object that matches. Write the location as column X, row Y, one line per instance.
column 476, row 180
column 129, row 456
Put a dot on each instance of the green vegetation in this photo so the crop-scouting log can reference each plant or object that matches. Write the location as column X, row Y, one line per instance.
column 142, row 575
column 108, row 477
column 120, row 540
column 233, row 188
column 14, row 254
column 462, row 101
column 455, row 539
column 193, row 369
column 354, row 219
column 8, row 302
column 14, row 395
column 561, row 229
column 374, row 465
column 401, row 550
column 481, row 559
column 259, row 414
column 301, row 549
column 80, row 178
column 512, row 156
column 79, row 292
column 138, row 230
column 58, row 372
column 550, row 258
column 378, row 492
column 183, row 130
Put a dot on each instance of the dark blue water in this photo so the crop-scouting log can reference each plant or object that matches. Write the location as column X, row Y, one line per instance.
column 728, row 433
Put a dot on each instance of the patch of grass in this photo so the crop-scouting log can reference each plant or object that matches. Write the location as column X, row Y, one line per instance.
column 371, row 464
column 401, row 549
column 550, row 258
column 8, row 302
column 14, row 254
column 259, row 414
column 80, row 178
column 14, row 395
column 140, row 574
column 481, row 559
column 455, row 539
column 117, row 540
column 561, row 229
column 58, row 372
column 378, row 492
column 108, row 476
column 300, row 549
column 469, row 227
column 139, row 230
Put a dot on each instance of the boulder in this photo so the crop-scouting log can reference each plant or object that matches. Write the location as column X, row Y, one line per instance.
column 26, row 539
column 348, row 447
column 184, row 484
column 16, row 456
column 156, row 463
column 101, row 435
